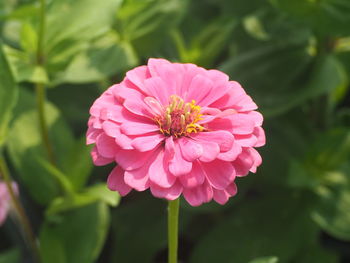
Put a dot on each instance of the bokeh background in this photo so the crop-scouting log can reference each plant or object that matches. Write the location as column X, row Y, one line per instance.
column 291, row 56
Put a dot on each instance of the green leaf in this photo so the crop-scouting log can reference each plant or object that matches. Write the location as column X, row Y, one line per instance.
column 24, row 68
column 149, row 236
column 29, row 38
column 105, row 57
column 145, row 24
column 10, row 256
column 8, row 95
column 333, row 214
column 319, row 254
column 329, row 17
column 254, row 27
column 77, row 164
column 277, row 224
column 323, row 161
column 209, row 41
column 78, row 235
column 95, row 193
column 26, row 148
column 265, row 260
column 73, row 24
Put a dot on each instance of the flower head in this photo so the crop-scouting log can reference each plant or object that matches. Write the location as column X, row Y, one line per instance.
column 5, row 200
column 176, row 129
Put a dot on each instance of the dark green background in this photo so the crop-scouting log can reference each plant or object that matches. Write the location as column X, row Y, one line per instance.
column 291, row 56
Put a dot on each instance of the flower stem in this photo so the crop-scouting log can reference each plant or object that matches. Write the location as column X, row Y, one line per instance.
column 40, row 100
column 39, row 87
column 41, row 33
column 4, row 173
column 173, row 225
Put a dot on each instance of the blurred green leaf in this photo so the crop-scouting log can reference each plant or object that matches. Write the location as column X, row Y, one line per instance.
column 265, row 260
column 26, row 148
column 272, row 224
column 146, row 24
column 329, row 17
column 29, row 38
column 206, row 46
column 103, row 58
column 319, row 254
column 10, row 256
column 148, row 236
column 254, row 27
column 333, row 214
column 77, row 164
column 72, row 25
column 323, row 161
column 78, row 236
column 24, row 68
column 8, row 95
column 98, row 192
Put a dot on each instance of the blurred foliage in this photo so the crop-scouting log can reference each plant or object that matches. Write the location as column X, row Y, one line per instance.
column 292, row 57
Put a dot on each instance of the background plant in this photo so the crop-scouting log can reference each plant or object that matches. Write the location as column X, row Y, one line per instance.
column 292, row 56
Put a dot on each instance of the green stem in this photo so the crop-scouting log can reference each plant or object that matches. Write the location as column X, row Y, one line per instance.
column 40, row 99
column 173, row 225
column 41, row 33
column 39, row 87
column 30, row 237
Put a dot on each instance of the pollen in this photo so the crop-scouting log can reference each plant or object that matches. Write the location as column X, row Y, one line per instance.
column 180, row 118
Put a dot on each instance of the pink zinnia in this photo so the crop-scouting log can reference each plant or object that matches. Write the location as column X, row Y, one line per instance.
column 5, row 200
column 176, row 129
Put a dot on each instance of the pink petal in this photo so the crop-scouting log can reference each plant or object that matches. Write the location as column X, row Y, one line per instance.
column 198, row 195
column 242, row 124
column 246, row 140
column 190, row 150
column 219, row 173
column 170, row 193
column 138, row 179
column 231, row 154
column 138, row 128
column 116, row 182
column 257, row 159
column 112, row 129
column 106, row 146
column 260, row 134
column 113, row 112
column 220, row 87
column 222, row 196
column 199, row 88
column 170, row 73
column 169, row 147
column 236, row 98
column 223, row 138
column 138, row 107
column 177, row 165
column 98, row 160
column 147, row 143
column 210, row 151
column 155, row 107
column 91, row 135
column 133, row 159
column 138, row 75
column 256, row 117
column 159, row 173
column 195, row 178
column 243, row 163
column 190, row 71
column 156, row 87
column 154, row 64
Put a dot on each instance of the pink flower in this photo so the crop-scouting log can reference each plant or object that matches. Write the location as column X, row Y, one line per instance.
column 176, row 129
column 5, row 200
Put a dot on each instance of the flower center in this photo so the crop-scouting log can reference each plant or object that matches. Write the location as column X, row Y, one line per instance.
column 179, row 118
